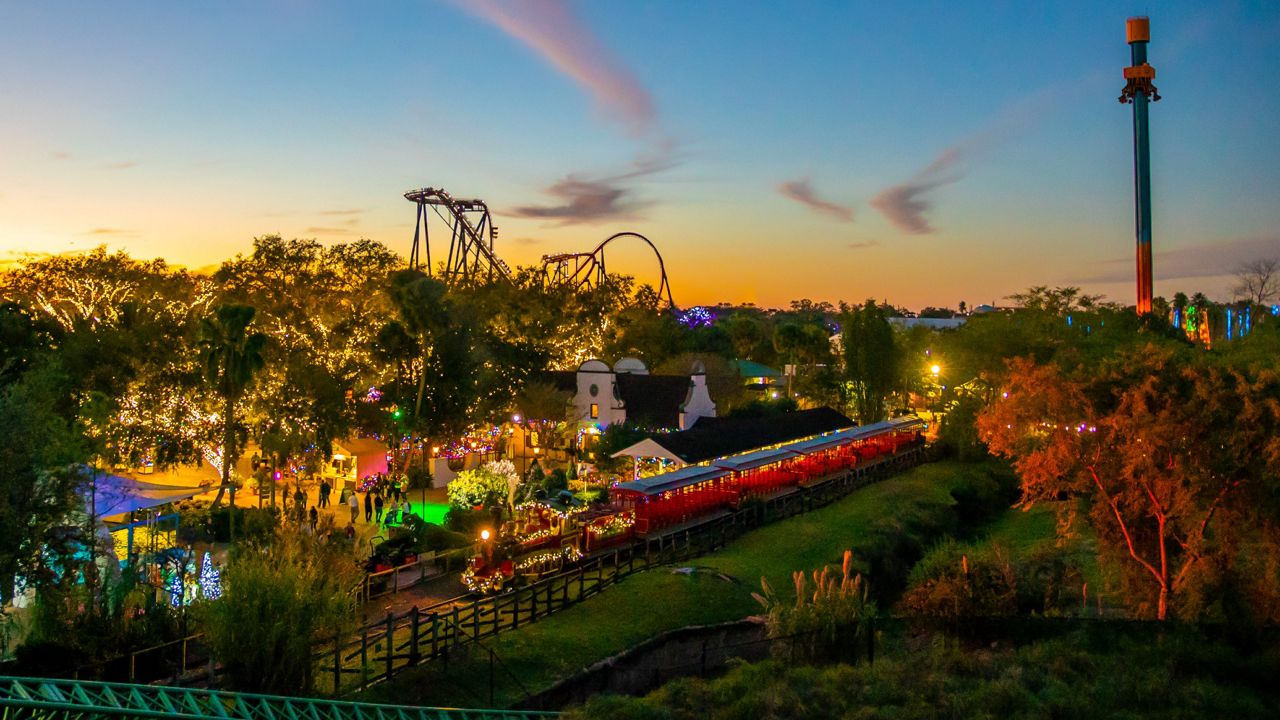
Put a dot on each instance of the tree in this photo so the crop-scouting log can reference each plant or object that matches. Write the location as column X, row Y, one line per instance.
column 278, row 600
column 230, row 356
column 38, row 482
column 1159, row 444
column 871, row 359
column 1258, row 281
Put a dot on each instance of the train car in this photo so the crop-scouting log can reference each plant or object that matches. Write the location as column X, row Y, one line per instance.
column 695, row 492
column 545, row 537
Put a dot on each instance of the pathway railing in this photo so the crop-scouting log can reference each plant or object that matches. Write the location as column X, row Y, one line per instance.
column 43, row 698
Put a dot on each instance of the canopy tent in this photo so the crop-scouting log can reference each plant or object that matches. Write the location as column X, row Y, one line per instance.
column 106, row 495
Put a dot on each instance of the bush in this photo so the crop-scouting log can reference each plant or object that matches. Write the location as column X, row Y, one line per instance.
column 833, row 617
column 468, row 522
column 1061, row 678
column 955, row 581
column 555, row 481
column 275, row 603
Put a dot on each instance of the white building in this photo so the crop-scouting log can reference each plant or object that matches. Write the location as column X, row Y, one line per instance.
column 627, row 392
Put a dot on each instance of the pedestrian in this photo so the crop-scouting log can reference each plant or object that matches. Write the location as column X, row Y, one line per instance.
column 299, row 499
column 324, row 492
column 353, row 502
column 368, row 506
column 313, row 517
column 405, row 509
column 377, row 508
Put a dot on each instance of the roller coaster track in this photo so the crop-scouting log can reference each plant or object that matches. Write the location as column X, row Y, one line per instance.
column 56, row 699
column 471, row 254
column 587, row 271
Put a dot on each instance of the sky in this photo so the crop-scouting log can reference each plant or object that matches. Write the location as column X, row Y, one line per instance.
column 921, row 153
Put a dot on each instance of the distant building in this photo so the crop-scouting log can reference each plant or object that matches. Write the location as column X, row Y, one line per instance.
column 628, row 393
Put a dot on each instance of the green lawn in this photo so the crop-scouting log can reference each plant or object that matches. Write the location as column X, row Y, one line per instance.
column 1024, row 531
column 659, row 600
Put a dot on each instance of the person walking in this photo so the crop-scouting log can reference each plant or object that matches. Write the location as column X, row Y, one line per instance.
column 353, row 502
column 368, row 506
column 313, row 517
column 299, row 504
column 377, row 508
column 325, row 487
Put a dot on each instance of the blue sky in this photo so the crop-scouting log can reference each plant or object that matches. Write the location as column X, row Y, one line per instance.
column 755, row 143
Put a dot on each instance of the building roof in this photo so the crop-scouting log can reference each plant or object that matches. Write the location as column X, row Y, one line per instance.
column 720, row 437
column 653, row 400
column 751, row 369
column 564, row 380
column 756, row 459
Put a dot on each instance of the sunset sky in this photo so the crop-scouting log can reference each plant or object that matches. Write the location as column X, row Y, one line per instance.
column 921, row 153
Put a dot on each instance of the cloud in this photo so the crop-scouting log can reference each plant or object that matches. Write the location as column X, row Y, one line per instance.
column 553, row 31
column 802, row 192
column 905, row 205
column 122, row 165
column 527, row 241
column 352, row 211
column 110, row 231
column 1202, row 260
column 592, row 200
column 327, row 231
column 863, row 245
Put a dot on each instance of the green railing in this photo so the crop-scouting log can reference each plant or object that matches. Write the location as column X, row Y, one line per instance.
column 56, row 699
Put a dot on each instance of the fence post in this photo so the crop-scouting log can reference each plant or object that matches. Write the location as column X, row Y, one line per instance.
column 337, row 663
column 388, row 637
column 475, row 620
column 533, row 604
column 515, row 610
column 133, row 666
column 413, row 638
column 435, row 634
column 582, row 571
column 364, row 657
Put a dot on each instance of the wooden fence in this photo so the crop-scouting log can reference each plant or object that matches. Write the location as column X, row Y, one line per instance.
column 380, row 650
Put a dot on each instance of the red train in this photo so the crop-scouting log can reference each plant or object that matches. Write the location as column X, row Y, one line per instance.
column 546, row 536
column 688, row 494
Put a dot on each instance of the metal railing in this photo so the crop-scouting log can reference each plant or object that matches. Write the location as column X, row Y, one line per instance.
column 50, row 699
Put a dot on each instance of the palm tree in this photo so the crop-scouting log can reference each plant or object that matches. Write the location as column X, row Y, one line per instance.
column 229, row 356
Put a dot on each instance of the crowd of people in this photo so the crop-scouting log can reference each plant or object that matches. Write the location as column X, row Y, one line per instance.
column 385, row 503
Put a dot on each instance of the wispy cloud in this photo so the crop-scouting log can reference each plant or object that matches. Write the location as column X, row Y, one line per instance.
column 863, row 244
column 122, row 165
column 802, row 192
column 527, row 241
column 350, row 211
column 327, row 231
column 581, row 199
column 1202, row 260
column 906, row 205
column 552, row 30
column 110, row 231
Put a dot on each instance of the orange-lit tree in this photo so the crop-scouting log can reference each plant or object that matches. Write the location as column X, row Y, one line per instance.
column 1161, row 443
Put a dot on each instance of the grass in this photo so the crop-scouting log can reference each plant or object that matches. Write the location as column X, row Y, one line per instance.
column 1022, row 532
column 655, row 601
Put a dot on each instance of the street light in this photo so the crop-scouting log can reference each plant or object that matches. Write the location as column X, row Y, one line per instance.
column 935, row 369
column 484, row 535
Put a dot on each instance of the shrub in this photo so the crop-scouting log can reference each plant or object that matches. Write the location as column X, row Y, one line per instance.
column 275, row 603
column 833, row 616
